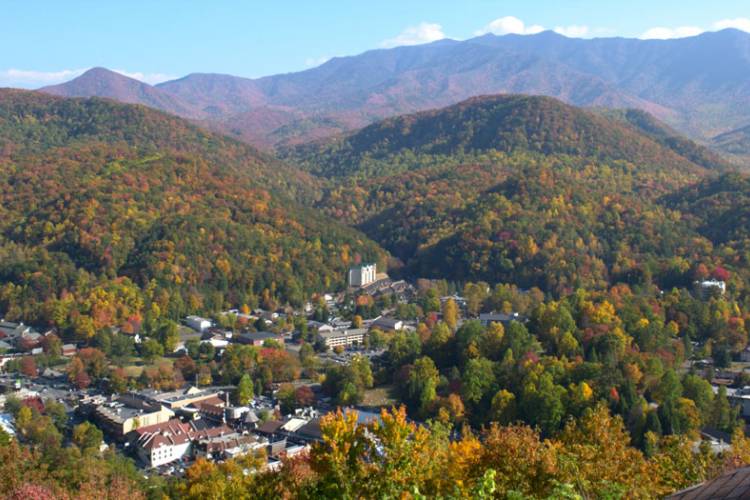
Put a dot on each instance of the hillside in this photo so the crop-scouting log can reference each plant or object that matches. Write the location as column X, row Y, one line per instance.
column 97, row 194
column 720, row 209
column 699, row 85
column 525, row 190
column 505, row 123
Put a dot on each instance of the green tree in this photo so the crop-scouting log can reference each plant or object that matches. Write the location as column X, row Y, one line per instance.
column 245, row 390
column 151, row 349
column 421, row 387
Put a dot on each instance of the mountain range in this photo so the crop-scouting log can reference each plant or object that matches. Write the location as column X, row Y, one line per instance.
column 699, row 85
column 501, row 188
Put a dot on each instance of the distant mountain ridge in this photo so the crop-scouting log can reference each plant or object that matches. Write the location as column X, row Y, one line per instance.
column 699, row 85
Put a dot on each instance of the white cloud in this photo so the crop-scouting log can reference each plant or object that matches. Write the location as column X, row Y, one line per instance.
column 150, row 78
column 663, row 33
column 572, row 31
column 509, row 25
column 740, row 23
column 316, row 61
column 31, row 79
column 415, row 35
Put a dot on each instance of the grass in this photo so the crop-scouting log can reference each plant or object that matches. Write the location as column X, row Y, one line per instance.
column 379, row 396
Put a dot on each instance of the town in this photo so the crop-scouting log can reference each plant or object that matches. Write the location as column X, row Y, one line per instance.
column 165, row 429
column 158, row 408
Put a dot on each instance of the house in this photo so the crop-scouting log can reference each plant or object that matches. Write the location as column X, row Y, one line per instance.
column 259, row 338
column 362, row 275
column 69, row 350
column 388, row 324
column 504, row 319
column 344, row 338
column 197, row 323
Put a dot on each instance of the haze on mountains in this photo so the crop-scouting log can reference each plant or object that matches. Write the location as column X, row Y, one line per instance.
column 699, row 85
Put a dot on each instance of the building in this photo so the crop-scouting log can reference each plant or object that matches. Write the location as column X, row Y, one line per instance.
column 197, row 323
column 504, row 319
column 162, row 443
column 259, row 338
column 710, row 288
column 129, row 412
column 739, row 397
column 231, row 445
column 362, row 275
column 21, row 337
column 178, row 399
column 169, row 441
column 344, row 338
column 388, row 324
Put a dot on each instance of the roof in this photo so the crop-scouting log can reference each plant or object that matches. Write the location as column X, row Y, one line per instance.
column 174, row 432
column 198, row 318
column 733, row 484
column 387, row 322
column 270, row 427
column 293, row 424
column 311, row 430
column 364, row 264
column 258, row 336
column 354, row 332
column 500, row 317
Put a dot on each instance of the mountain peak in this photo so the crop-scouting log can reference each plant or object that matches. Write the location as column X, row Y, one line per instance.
column 103, row 82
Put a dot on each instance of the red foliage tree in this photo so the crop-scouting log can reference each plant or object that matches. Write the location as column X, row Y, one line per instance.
column 28, row 366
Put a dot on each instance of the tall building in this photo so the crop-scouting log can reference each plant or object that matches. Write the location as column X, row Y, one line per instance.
column 362, row 275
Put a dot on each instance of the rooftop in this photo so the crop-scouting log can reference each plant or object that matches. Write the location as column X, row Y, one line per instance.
column 734, row 484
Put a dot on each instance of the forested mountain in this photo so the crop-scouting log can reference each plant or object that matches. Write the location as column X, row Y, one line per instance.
column 505, row 123
column 523, row 190
column 115, row 214
column 698, row 84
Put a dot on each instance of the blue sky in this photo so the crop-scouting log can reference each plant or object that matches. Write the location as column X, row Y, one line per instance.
column 46, row 42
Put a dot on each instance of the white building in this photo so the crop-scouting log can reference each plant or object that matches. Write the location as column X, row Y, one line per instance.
column 197, row 323
column 708, row 288
column 345, row 338
column 362, row 275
